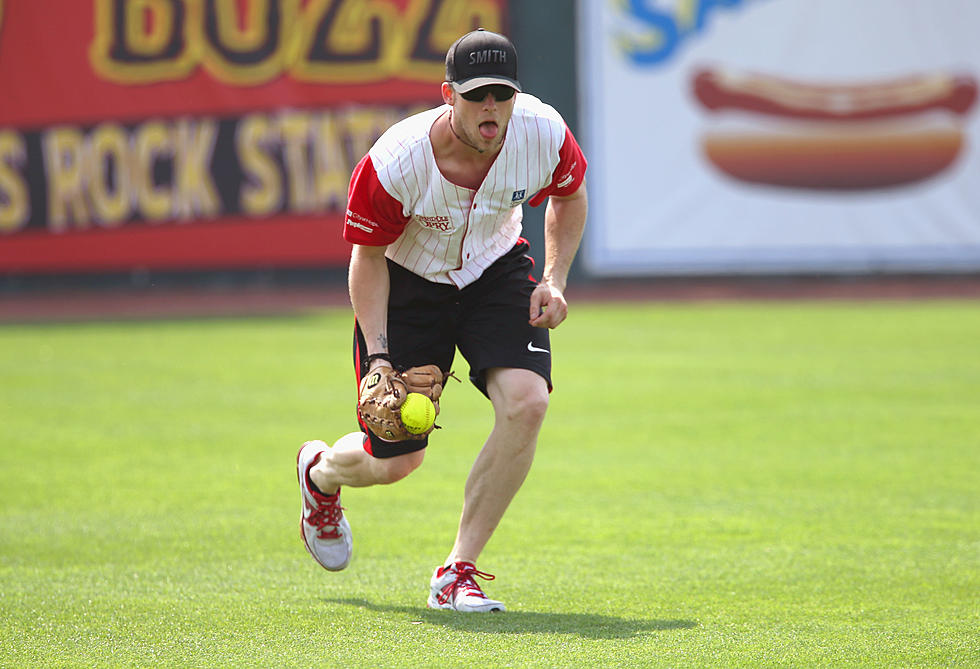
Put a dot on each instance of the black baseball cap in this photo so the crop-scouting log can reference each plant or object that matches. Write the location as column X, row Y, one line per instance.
column 480, row 58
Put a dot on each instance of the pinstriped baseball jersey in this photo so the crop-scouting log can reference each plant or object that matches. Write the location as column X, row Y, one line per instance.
column 444, row 232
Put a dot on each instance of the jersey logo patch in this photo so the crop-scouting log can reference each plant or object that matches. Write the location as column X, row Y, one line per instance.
column 517, row 197
column 355, row 220
column 567, row 179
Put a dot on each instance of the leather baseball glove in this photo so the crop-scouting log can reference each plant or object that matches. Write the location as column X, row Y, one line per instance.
column 383, row 392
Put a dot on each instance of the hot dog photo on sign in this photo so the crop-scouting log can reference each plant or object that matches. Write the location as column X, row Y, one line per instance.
column 778, row 131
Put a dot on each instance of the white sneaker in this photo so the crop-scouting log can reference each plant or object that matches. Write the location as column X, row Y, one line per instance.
column 325, row 531
column 453, row 587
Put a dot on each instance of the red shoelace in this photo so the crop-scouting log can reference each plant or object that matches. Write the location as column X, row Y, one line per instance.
column 326, row 514
column 464, row 581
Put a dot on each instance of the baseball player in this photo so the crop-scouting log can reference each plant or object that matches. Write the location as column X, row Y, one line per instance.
column 434, row 217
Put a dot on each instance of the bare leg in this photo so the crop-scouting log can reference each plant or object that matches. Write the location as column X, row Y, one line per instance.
column 348, row 464
column 520, row 399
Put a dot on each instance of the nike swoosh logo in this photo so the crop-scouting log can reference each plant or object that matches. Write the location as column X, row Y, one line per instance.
column 534, row 349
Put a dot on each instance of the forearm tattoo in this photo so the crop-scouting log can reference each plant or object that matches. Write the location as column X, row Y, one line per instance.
column 383, row 342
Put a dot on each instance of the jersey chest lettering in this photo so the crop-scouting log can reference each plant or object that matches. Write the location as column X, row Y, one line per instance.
column 439, row 223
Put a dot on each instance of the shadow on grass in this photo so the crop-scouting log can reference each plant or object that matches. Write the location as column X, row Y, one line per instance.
column 589, row 625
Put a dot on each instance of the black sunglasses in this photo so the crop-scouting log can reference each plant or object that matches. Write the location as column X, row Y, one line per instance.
column 498, row 91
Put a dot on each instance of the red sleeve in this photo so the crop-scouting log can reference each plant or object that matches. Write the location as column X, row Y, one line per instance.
column 569, row 173
column 374, row 217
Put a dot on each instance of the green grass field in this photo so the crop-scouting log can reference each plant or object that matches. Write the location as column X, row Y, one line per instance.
column 717, row 485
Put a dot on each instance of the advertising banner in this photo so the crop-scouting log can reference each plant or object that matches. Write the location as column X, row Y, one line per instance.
column 202, row 133
column 781, row 136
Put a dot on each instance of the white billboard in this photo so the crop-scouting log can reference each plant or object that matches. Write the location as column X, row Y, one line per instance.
column 781, row 136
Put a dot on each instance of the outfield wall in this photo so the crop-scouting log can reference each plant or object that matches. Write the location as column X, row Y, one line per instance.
column 197, row 135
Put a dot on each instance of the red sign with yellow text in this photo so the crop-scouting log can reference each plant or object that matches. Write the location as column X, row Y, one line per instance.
column 178, row 134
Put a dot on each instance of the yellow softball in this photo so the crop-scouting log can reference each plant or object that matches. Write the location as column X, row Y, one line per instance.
column 418, row 413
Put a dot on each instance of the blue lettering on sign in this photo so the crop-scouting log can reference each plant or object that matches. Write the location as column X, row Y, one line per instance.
column 666, row 30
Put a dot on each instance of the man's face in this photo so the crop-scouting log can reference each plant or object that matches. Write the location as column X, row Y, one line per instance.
column 483, row 123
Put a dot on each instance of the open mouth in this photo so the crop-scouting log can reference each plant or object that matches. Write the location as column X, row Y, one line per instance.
column 488, row 129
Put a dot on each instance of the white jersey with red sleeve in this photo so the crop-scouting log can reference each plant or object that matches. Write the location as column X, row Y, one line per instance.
column 444, row 232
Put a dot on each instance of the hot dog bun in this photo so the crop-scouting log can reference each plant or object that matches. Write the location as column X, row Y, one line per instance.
column 776, row 96
column 838, row 137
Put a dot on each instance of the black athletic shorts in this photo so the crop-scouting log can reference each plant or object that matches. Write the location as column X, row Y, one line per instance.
column 486, row 320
